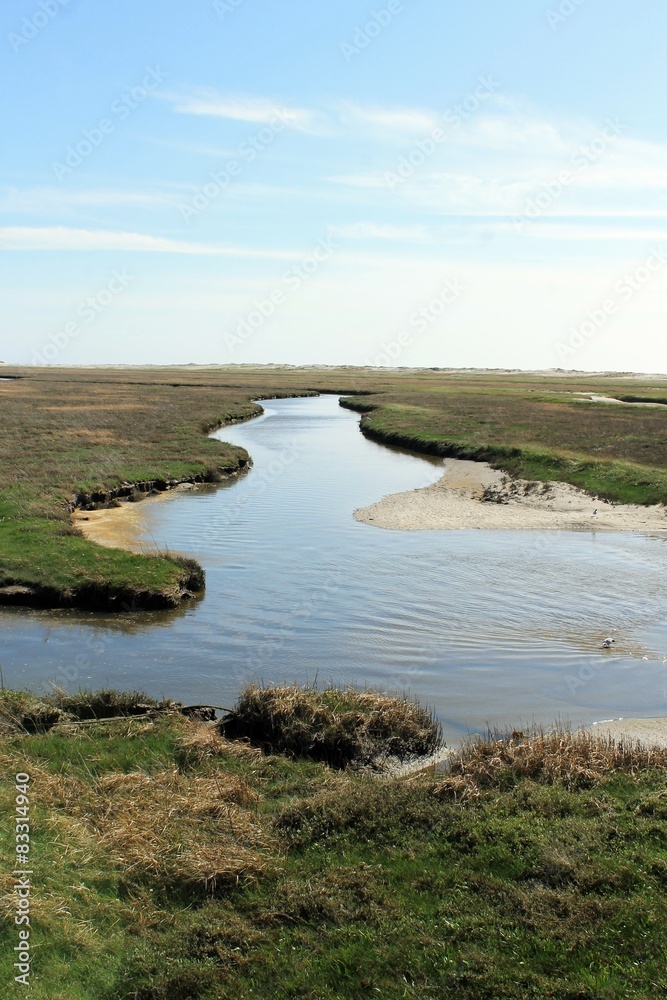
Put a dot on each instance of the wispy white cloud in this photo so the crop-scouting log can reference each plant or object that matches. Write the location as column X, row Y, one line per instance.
column 389, row 124
column 54, row 199
column 516, row 134
column 66, row 238
column 360, row 180
column 373, row 231
column 583, row 230
column 499, row 163
column 257, row 110
column 394, row 122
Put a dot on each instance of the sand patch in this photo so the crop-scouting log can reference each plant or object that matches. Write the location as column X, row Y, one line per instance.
column 619, row 402
column 651, row 732
column 473, row 495
column 126, row 526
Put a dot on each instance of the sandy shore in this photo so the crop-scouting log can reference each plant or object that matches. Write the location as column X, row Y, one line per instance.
column 473, row 495
column 652, row 732
column 124, row 527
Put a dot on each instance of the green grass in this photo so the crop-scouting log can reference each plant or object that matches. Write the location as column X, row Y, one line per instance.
column 67, row 569
column 662, row 400
column 579, row 442
column 536, row 869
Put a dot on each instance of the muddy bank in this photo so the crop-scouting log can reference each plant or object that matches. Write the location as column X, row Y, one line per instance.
column 93, row 596
column 473, row 495
column 98, row 500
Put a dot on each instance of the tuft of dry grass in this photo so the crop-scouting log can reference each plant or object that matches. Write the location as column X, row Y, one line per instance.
column 203, row 742
column 576, row 759
column 175, row 831
column 340, row 727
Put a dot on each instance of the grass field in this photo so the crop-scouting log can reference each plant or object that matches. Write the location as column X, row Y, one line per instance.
column 84, row 435
column 170, row 863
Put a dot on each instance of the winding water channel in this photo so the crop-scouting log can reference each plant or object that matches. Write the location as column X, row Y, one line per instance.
column 488, row 627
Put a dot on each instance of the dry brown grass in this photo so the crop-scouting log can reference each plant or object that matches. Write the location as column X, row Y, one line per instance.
column 166, row 830
column 341, row 727
column 203, row 742
column 574, row 759
column 177, row 831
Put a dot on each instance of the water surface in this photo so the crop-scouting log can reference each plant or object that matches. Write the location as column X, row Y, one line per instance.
column 497, row 627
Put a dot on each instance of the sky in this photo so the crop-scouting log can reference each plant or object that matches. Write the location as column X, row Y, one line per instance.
column 405, row 183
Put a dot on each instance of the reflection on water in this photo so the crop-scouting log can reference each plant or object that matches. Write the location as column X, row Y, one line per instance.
column 498, row 627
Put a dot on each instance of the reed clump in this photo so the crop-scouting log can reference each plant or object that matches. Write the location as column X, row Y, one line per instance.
column 575, row 759
column 338, row 726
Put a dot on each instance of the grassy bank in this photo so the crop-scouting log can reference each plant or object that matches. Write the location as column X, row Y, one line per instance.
column 170, row 863
column 612, row 453
column 90, row 437
column 85, row 440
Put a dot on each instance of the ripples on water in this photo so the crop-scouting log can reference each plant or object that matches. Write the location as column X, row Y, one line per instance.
column 498, row 627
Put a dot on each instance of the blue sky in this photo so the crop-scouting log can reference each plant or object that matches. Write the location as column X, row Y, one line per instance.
column 415, row 182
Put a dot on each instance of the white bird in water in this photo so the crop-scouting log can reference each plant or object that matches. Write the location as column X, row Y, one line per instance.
column 607, row 643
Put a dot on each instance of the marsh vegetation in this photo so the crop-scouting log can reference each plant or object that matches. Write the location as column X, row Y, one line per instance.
column 173, row 862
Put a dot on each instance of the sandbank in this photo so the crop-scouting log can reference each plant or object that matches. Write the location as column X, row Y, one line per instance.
column 473, row 495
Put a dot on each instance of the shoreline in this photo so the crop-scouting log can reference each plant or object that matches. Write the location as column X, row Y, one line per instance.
column 650, row 732
column 473, row 495
column 121, row 527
